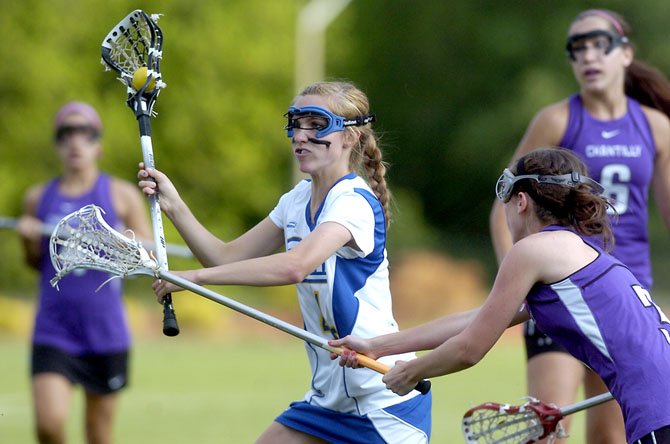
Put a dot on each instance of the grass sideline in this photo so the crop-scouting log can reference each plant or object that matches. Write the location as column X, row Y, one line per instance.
column 190, row 389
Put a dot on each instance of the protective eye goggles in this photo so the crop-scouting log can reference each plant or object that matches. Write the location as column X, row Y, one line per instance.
column 506, row 182
column 602, row 40
column 66, row 131
column 321, row 120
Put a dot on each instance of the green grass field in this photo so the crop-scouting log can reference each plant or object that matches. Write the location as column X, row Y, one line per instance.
column 191, row 390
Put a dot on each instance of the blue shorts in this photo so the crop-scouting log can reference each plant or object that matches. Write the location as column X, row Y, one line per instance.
column 408, row 422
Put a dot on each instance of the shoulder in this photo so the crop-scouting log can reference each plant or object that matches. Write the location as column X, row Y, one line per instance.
column 353, row 188
column 660, row 127
column 32, row 196
column 547, row 127
column 122, row 188
column 554, row 115
column 125, row 196
column 551, row 255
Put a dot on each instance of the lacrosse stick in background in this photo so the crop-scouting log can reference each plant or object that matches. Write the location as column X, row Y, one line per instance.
column 84, row 240
column 506, row 424
column 172, row 249
column 133, row 49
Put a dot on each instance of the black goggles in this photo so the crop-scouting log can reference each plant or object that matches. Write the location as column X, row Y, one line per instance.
column 602, row 40
column 65, row 131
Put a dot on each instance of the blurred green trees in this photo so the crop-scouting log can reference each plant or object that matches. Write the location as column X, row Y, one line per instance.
column 454, row 85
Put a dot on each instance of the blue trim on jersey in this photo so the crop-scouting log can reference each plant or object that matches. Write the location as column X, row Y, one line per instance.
column 351, row 274
column 311, row 222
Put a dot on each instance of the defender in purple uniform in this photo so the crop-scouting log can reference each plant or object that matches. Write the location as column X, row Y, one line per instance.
column 81, row 334
column 586, row 299
column 618, row 125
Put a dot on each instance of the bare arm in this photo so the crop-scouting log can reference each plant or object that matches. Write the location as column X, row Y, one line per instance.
column 263, row 239
column 661, row 181
column 546, row 129
column 284, row 268
column 131, row 209
column 29, row 227
column 500, row 310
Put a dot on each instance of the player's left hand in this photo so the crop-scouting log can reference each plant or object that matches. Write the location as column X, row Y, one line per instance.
column 401, row 379
column 162, row 287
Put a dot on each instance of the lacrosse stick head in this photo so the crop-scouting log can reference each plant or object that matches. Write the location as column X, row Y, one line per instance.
column 134, row 46
column 507, row 424
column 83, row 239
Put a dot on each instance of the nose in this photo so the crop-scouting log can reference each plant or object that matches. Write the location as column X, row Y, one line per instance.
column 300, row 135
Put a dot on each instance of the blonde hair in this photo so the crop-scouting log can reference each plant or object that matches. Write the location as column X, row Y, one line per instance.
column 347, row 100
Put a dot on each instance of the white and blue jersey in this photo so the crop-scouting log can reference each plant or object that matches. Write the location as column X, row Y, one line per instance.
column 348, row 294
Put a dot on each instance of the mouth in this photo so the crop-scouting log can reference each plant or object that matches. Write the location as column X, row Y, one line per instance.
column 300, row 151
column 590, row 73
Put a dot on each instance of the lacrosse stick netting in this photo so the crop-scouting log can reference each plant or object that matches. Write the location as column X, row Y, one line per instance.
column 501, row 424
column 506, row 424
column 134, row 43
column 84, row 240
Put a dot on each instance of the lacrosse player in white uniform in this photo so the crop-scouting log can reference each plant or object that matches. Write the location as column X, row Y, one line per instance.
column 333, row 228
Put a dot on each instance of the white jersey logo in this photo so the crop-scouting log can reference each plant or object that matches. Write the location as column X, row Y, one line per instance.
column 610, row 134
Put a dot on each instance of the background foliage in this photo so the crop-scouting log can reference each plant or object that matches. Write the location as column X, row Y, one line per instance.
column 454, row 85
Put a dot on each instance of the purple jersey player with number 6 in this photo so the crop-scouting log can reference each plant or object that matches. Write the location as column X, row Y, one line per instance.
column 618, row 124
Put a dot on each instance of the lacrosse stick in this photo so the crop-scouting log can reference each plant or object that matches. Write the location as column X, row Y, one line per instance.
column 84, row 240
column 133, row 49
column 506, row 424
column 7, row 222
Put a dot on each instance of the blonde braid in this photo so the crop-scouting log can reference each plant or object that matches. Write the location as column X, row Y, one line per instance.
column 375, row 172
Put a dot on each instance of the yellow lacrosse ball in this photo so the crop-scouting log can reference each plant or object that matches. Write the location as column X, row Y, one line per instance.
column 140, row 78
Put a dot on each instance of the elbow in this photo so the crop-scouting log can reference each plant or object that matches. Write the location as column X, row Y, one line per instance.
column 294, row 275
column 293, row 271
column 468, row 360
column 469, row 355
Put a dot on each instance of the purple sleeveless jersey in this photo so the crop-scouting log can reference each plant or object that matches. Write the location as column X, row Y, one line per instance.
column 605, row 318
column 78, row 319
column 620, row 155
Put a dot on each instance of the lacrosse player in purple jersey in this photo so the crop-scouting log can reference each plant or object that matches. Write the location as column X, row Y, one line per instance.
column 81, row 335
column 618, row 125
column 333, row 229
column 583, row 297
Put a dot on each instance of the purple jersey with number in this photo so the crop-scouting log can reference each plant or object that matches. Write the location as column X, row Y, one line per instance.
column 605, row 318
column 620, row 155
column 80, row 318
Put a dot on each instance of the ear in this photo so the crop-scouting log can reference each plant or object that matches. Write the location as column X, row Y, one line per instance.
column 629, row 55
column 523, row 202
column 351, row 138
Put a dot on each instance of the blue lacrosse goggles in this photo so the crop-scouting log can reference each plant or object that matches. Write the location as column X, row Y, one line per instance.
column 321, row 120
column 507, row 180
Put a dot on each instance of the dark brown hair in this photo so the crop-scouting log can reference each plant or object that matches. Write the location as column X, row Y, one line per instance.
column 576, row 207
